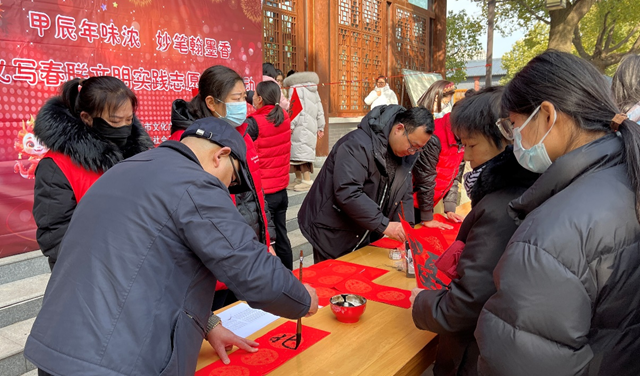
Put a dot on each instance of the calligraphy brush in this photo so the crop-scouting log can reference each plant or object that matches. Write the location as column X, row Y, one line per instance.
column 299, row 326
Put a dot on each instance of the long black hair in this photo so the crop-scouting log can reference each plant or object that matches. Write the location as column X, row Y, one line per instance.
column 270, row 93
column 478, row 114
column 577, row 89
column 216, row 81
column 96, row 94
column 626, row 82
column 433, row 96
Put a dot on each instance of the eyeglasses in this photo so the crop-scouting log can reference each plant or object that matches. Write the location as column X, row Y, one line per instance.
column 505, row 125
column 235, row 180
column 411, row 149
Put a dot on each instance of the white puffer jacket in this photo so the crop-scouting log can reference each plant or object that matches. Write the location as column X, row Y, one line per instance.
column 306, row 125
column 386, row 97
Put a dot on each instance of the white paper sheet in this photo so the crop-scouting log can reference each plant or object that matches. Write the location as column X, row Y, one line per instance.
column 243, row 320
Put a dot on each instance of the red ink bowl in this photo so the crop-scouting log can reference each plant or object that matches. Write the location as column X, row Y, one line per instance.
column 348, row 307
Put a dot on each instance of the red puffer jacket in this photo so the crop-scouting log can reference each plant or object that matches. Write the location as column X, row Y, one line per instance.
column 274, row 149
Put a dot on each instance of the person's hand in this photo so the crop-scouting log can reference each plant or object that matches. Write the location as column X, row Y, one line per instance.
column 453, row 217
column 313, row 308
column 320, row 134
column 436, row 224
column 223, row 340
column 414, row 293
column 395, row 231
column 272, row 251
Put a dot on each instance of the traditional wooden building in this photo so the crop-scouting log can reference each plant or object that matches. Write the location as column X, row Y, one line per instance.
column 349, row 43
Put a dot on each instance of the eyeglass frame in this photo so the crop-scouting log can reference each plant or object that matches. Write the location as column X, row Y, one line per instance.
column 235, row 181
column 411, row 148
column 507, row 131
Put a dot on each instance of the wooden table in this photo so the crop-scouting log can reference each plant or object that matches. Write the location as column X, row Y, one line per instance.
column 384, row 341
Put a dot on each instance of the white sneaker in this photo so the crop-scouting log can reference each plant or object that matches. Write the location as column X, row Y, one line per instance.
column 295, row 182
column 304, row 186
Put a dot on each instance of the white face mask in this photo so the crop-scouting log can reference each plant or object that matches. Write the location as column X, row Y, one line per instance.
column 536, row 159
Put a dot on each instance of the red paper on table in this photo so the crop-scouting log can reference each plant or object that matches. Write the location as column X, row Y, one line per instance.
column 358, row 284
column 387, row 243
column 427, row 244
column 331, row 272
column 276, row 348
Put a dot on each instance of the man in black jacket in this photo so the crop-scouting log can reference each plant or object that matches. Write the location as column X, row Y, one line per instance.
column 132, row 289
column 365, row 183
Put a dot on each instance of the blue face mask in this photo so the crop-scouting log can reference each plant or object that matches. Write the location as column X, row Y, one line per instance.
column 236, row 113
column 536, row 159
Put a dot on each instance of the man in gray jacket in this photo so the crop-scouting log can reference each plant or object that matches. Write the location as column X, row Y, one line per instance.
column 134, row 283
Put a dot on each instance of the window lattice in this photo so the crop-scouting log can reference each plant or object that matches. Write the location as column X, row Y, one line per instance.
column 280, row 38
column 411, row 43
column 360, row 51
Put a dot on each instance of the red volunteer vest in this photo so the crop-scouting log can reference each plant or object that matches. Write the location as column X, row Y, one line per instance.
column 79, row 178
column 274, row 149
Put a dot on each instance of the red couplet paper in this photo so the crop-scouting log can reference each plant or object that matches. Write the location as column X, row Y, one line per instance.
column 360, row 285
column 331, row 272
column 387, row 243
column 449, row 235
column 427, row 244
column 276, row 348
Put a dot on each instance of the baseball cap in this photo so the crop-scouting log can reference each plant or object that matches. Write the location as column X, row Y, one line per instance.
column 221, row 133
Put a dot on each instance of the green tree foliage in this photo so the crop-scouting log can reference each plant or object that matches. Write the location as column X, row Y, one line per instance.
column 601, row 32
column 534, row 43
column 463, row 43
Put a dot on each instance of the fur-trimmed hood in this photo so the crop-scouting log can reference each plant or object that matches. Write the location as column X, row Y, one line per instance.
column 500, row 172
column 300, row 78
column 60, row 131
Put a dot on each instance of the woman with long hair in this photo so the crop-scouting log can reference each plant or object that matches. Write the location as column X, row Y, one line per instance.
column 568, row 284
column 88, row 128
column 438, row 98
column 273, row 144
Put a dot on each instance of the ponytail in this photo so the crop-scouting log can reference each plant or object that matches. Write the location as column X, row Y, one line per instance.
column 69, row 93
column 270, row 93
column 630, row 132
column 276, row 115
column 198, row 108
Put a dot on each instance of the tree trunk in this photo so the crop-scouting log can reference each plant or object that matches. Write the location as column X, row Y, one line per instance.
column 564, row 21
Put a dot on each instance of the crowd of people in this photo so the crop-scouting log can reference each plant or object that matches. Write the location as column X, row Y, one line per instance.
column 547, row 281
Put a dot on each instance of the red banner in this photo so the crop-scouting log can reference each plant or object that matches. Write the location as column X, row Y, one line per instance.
column 158, row 48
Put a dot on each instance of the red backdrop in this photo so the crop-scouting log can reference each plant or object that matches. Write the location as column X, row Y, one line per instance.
column 158, row 48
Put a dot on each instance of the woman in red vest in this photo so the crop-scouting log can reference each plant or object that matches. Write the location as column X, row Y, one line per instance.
column 89, row 128
column 273, row 144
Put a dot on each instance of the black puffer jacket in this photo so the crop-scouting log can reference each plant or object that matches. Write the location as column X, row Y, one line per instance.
column 486, row 230
column 248, row 203
column 53, row 200
column 568, row 284
column 342, row 207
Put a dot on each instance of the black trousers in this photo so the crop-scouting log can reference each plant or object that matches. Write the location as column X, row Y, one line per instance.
column 278, row 203
column 43, row 373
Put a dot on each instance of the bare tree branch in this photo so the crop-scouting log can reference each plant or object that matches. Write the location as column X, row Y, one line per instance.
column 533, row 13
column 577, row 42
column 597, row 50
column 607, row 43
column 626, row 39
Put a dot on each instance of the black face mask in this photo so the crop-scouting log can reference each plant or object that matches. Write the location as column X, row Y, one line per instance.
column 118, row 135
